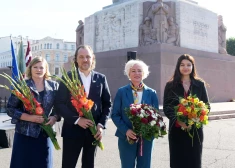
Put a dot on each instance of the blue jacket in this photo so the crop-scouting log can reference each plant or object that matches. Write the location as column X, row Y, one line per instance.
column 123, row 99
column 15, row 108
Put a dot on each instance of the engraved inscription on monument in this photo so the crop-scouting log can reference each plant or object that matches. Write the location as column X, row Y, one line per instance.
column 198, row 27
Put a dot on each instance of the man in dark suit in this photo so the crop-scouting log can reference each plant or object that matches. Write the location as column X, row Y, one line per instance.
column 75, row 131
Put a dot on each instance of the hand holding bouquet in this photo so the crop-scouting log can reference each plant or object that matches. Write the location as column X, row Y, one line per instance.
column 79, row 99
column 23, row 93
column 146, row 122
column 192, row 112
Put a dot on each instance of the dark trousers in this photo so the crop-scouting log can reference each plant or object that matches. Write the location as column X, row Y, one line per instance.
column 72, row 148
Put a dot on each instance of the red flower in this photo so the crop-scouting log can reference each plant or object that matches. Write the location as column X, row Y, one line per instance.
column 144, row 120
column 134, row 112
column 150, row 118
column 39, row 111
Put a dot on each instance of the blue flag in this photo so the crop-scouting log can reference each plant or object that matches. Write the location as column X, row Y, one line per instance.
column 15, row 71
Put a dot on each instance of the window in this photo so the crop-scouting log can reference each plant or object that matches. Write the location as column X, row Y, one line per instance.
column 35, row 48
column 41, row 46
column 65, row 58
column 65, row 46
column 57, row 57
column 50, row 46
column 57, row 70
column 47, row 57
column 72, row 47
column 47, row 45
column 57, row 46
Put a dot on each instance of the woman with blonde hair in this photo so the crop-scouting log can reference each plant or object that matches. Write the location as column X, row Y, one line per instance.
column 32, row 147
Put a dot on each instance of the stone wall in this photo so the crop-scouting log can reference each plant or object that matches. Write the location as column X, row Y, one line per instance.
column 198, row 27
column 216, row 69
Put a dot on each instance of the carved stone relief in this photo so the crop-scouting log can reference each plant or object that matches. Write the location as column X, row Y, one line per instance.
column 221, row 35
column 158, row 25
column 116, row 28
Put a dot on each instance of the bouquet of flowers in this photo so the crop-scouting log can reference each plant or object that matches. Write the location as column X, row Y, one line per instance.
column 146, row 122
column 79, row 99
column 192, row 111
column 23, row 92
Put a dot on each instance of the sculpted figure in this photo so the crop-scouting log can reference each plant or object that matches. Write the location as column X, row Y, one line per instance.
column 221, row 35
column 146, row 32
column 173, row 32
column 160, row 11
column 80, row 33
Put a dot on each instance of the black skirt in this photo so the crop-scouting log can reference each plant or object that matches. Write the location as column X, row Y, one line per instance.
column 185, row 153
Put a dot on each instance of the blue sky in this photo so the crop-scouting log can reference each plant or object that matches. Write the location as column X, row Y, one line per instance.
column 59, row 18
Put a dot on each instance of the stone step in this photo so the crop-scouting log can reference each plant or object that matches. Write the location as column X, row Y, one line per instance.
column 221, row 112
column 221, row 116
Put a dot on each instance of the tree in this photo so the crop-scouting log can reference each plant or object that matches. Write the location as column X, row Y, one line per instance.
column 230, row 46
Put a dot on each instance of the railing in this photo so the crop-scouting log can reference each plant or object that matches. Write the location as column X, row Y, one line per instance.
column 3, row 104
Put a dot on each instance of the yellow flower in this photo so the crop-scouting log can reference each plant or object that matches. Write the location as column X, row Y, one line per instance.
column 205, row 122
column 184, row 102
column 205, row 117
column 179, row 113
column 188, row 109
column 190, row 122
column 189, row 97
column 198, row 125
column 196, row 100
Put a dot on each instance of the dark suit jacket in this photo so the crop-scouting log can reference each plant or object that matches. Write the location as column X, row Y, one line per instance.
column 172, row 94
column 123, row 99
column 15, row 108
column 99, row 93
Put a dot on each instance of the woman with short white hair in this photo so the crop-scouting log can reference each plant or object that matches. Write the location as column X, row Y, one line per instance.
column 135, row 92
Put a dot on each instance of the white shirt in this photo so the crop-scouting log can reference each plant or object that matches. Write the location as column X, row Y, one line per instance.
column 86, row 80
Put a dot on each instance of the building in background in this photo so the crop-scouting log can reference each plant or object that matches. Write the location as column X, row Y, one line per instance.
column 5, row 49
column 55, row 51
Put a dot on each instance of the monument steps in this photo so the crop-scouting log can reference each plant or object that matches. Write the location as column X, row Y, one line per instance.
column 223, row 115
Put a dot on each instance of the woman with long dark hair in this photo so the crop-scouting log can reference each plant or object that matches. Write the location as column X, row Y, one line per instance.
column 184, row 81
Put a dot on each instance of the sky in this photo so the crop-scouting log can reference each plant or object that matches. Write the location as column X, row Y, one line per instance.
column 59, row 18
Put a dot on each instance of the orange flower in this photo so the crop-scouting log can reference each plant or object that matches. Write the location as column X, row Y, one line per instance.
column 89, row 104
column 28, row 107
column 39, row 111
column 36, row 102
column 83, row 100
column 26, row 101
column 201, row 117
column 203, row 112
column 74, row 102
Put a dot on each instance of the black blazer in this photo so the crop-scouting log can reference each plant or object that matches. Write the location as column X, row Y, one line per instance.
column 99, row 93
column 172, row 94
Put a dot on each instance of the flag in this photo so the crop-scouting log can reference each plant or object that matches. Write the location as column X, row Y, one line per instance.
column 15, row 71
column 28, row 56
column 21, row 58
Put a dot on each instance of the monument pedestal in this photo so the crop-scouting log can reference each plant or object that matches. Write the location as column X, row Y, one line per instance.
column 216, row 69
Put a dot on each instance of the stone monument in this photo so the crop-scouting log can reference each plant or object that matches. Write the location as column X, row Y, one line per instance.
column 160, row 31
column 221, row 35
column 80, row 33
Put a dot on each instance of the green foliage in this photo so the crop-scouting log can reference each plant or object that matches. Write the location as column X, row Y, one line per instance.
column 230, row 46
